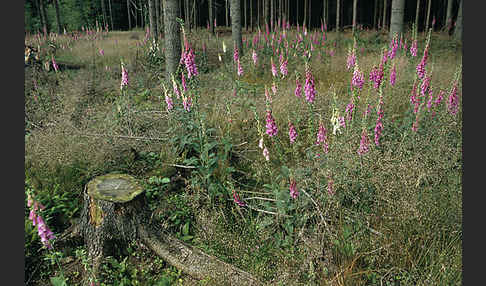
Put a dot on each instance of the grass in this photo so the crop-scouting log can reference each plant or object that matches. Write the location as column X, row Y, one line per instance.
column 393, row 217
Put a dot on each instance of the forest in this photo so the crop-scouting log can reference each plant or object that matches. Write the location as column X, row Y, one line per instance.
column 243, row 142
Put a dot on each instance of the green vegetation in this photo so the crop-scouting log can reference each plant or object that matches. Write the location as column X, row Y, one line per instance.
column 391, row 216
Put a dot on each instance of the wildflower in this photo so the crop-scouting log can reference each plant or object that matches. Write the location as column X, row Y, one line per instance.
column 292, row 133
column 268, row 97
column 240, row 69
column 439, row 98
column 260, row 143
column 429, row 102
column 274, row 68
column 330, row 187
column 54, row 65
column 349, row 110
column 254, row 56
column 235, row 54
column 379, row 123
column 224, row 48
column 413, row 48
column 376, row 75
column 283, row 68
column 421, row 66
column 102, row 52
column 364, row 143
column 44, row 232
column 187, row 103
column 266, row 154
column 168, row 101
column 309, row 88
column 271, row 126
column 424, row 88
column 294, row 193
column 124, row 80
column 358, row 79
column 298, row 88
column 183, row 79
column 322, row 138
column 237, row 200
column 414, row 99
column 393, row 75
column 453, row 101
column 175, row 88
column 274, row 88
column 351, row 60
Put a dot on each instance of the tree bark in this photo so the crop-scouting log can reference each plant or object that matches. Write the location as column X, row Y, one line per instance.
column 236, row 26
column 128, row 13
column 58, row 17
column 266, row 12
column 157, row 16
column 375, row 16
column 397, row 14
column 111, row 14
column 226, row 15
column 210, row 11
column 417, row 11
column 324, row 20
column 103, row 10
column 448, row 21
column 45, row 25
column 153, row 21
column 172, row 41
column 385, row 22
column 272, row 14
column 310, row 14
column 458, row 30
column 338, row 10
column 428, row 16
column 39, row 11
column 251, row 15
column 306, row 4
column 355, row 10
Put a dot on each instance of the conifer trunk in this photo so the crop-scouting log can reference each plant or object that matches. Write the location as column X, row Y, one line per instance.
column 458, row 30
column 172, row 37
column 58, row 17
column 128, row 13
column 428, row 16
column 152, row 20
column 397, row 15
column 236, row 26
column 355, row 8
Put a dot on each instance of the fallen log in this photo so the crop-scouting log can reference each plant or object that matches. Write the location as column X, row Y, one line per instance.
column 114, row 214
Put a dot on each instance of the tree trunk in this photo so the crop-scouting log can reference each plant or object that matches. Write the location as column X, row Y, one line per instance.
column 172, row 37
column 324, row 20
column 355, row 10
column 194, row 21
column 152, row 21
column 245, row 14
column 236, row 26
column 428, row 16
column 297, row 12
column 417, row 15
column 111, row 14
column 210, row 11
column 448, row 21
column 458, row 30
column 396, row 21
column 58, row 17
column 272, row 13
column 375, row 16
column 337, row 15
column 45, row 21
column 251, row 15
column 266, row 12
column 226, row 13
column 103, row 10
column 384, row 24
column 306, row 4
column 310, row 14
column 129, row 19
column 157, row 16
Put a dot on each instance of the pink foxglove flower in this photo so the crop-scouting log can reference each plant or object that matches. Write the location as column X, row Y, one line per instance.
column 453, row 101
column 358, row 79
column 351, row 60
column 309, row 88
column 274, row 88
column 413, row 48
column 283, row 68
column 240, row 69
column 421, row 66
column 236, row 56
column 270, row 124
column 294, row 193
column 124, row 80
column 376, row 75
column 292, row 133
column 379, row 123
column 183, row 79
column 54, row 65
column 266, row 154
column 439, row 98
column 393, row 75
column 168, row 101
column 102, row 52
column 298, row 88
column 322, row 138
column 364, row 143
column 349, row 110
column 237, row 200
column 274, row 68
column 187, row 103
column 190, row 63
column 254, row 56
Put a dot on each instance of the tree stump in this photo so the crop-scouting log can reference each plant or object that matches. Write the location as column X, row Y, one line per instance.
column 114, row 214
column 111, row 214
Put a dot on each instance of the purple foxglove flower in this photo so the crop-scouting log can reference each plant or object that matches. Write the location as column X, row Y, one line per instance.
column 439, row 98
column 349, row 111
column 294, row 193
column 274, row 88
column 364, row 143
column 298, row 88
column 274, row 68
column 358, row 79
column 393, row 75
column 54, row 64
column 168, row 101
column 453, row 101
column 283, row 68
column 421, row 66
column 240, row 69
column 266, row 154
column 235, row 54
column 292, row 133
column 237, row 200
column 124, row 80
column 183, row 79
column 102, row 52
column 309, row 88
column 322, row 138
column 270, row 124
column 351, row 61
column 187, row 103
column 413, row 48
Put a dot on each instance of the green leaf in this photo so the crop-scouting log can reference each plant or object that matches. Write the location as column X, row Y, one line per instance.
column 185, row 229
column 165, row 180
column 187, row 237
column 58, row 281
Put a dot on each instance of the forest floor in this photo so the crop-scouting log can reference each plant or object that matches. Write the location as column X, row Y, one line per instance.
column 391, row 215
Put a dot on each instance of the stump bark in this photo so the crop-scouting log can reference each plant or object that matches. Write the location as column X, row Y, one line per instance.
column 115, row 214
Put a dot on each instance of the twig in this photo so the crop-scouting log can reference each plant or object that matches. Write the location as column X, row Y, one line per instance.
column 317, row 207
column 267, row 212
column 124, row 137
column 180, row 166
